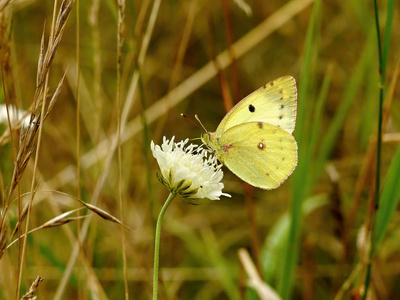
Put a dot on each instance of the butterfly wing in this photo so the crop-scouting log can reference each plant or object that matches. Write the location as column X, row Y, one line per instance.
column 275, row 103
column 261, row 154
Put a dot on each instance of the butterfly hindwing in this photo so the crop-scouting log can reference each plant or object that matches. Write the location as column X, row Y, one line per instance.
column 274, row 103
column 261, row 154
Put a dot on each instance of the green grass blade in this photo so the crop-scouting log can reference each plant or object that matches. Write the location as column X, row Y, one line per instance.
column 361, row 14
column 226, row 270
column 382, row 70
column 206, row 251
column 389, row 199
column 349, row 97
column 305, row 74
column 275, row 242
column 288, row 267
column 323, row 94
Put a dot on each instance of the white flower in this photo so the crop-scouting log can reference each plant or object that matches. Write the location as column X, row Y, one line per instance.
column 15, row 115
column 188, row 172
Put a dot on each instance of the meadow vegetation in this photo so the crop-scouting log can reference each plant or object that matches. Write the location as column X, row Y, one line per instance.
column 96, row 81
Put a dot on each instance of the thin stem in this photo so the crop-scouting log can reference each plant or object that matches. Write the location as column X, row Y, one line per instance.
column 381, row 86
column 120, row 39
column 78, row 151
column 378, row 154
column 157, row 245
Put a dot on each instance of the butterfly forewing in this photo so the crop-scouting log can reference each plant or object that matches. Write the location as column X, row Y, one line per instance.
column 274, row 103
column 261, row 154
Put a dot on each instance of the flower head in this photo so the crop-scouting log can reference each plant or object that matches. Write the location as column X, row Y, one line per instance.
column 189, row 172
column 14, row 114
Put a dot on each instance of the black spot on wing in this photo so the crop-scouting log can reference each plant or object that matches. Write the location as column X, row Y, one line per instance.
column 252, row 108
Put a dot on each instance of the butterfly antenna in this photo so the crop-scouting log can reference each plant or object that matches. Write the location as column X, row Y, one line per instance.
column 190, row 120
column 202, row 126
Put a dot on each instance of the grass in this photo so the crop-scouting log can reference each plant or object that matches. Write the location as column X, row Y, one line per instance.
column 99, row 80
column 300, row 178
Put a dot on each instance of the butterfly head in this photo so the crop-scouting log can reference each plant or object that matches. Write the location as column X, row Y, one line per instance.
column 210, row 140
column 206, row 138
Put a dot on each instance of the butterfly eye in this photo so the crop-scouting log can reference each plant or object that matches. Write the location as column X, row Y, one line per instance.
column 252, row 108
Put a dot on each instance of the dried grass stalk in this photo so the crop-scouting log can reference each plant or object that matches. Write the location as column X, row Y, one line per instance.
column 30, row 295
column 27, row 138
column 4, row 4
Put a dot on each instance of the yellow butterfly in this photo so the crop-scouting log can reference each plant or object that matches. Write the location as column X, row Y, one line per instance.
column 254, row 140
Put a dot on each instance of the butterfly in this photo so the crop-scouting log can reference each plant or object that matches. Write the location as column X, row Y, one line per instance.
column 254, row 140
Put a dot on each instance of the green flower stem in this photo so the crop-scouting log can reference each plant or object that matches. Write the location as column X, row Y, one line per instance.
column 157, row 245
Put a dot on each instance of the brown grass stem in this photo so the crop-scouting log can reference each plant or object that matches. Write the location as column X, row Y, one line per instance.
column 120, row 38
column 81, row 291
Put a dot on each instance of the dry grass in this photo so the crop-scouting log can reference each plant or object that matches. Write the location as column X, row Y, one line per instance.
column 100, row 79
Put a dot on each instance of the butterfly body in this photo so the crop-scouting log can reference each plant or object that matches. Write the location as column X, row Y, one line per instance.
column 254, row 140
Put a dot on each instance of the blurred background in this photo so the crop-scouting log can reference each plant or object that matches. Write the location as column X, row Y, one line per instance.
column 141, row 64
